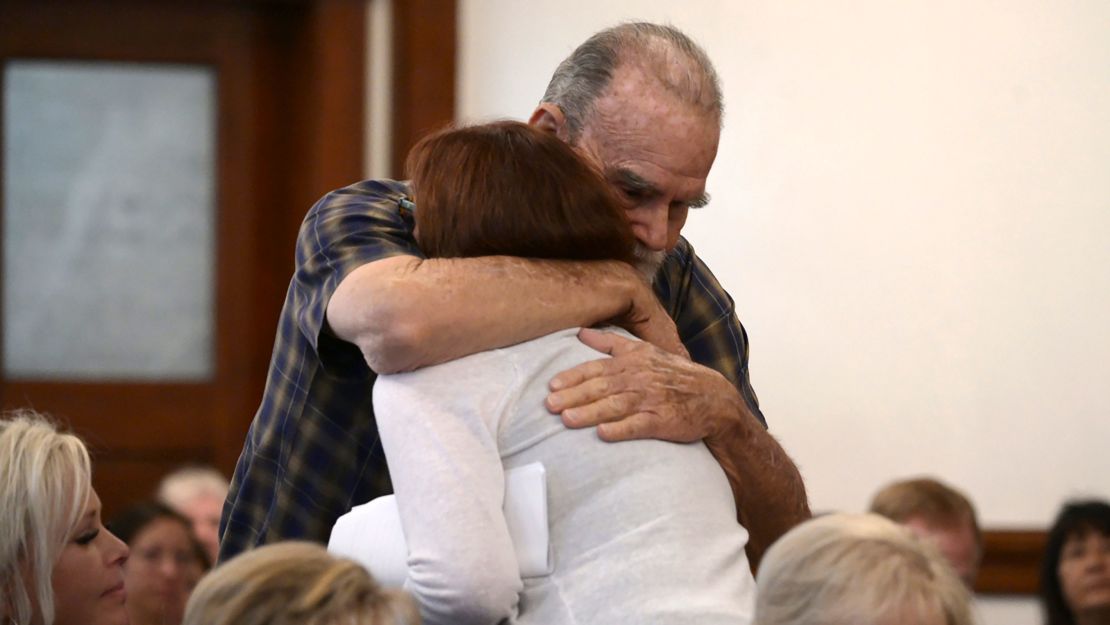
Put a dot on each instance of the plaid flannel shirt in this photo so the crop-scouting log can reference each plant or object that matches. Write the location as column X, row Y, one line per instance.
column 312, row 451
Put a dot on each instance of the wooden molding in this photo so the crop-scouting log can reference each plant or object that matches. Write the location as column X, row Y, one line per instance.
column 289, row 128
column 1011, row 562
column 424, row 50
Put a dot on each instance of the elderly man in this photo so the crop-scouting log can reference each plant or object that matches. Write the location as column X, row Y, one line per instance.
column 641, row 101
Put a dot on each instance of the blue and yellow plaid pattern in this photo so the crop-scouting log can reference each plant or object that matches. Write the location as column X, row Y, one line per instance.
column 312, row 451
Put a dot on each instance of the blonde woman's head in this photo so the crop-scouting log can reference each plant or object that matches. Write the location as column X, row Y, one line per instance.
column 295, row 583
column 863, row 569
column 58, row 564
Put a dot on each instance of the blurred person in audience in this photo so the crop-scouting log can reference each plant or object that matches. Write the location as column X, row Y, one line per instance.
column 645, row 531
column 857, row 569
column 937, row 512
column 165, row 565
column 295, row 583
column 198, row 493
column 1075, row 572
column 58, row 564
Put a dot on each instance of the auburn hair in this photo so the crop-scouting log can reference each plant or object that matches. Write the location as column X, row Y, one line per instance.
column 928, row 498
column 506, row 188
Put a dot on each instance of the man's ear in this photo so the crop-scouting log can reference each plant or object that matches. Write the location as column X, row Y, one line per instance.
column 549, row 118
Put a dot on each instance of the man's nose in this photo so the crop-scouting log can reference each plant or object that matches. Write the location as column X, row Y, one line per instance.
column 649, row 224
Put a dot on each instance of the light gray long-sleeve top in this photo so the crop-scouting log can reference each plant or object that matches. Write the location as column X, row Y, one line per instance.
column 642, row 532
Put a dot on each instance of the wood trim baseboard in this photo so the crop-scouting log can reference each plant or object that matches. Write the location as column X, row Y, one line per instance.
column 1011, row 562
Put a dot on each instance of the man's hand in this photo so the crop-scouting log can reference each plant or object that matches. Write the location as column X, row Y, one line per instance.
column 641, row 392
column 645, row 392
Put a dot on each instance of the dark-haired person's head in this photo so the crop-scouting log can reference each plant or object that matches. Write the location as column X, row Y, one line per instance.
column 166, row 562
column 1075, row 572
column 507, row 188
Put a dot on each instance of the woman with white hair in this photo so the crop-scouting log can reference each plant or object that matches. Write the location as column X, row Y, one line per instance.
column 857, row 569
column 58, row 564
column 197, row 492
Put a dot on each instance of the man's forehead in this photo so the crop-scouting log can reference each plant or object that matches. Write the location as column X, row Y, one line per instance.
column 653, row 146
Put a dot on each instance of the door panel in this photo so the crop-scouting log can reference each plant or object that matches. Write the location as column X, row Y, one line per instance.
column 286, row 131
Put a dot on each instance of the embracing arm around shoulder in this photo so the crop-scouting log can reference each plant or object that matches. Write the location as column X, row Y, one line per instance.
column 768, row 489
column 404, row 312
column 644, row 392
column 438, row 429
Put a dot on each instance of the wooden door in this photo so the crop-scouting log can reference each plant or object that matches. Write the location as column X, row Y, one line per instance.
column 288, row 127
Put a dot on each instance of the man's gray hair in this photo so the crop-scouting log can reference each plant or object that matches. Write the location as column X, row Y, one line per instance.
column 680, row 65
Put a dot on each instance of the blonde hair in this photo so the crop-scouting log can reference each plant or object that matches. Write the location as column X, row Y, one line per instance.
column 45, row 484
column 295, row 583
column 860, row 569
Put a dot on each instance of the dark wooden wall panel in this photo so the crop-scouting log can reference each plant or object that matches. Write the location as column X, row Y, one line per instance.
column 1011, row 562
column 424, row 62
column 290, row 127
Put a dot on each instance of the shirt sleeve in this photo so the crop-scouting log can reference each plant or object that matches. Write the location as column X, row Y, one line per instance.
column 705, row 316
column 346, row 229
column 438, row 429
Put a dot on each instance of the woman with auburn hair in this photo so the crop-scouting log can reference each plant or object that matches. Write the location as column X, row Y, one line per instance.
column 294, row 583
column 59, row 565
column 643, row 531
column 861, row 569
column 1075, row 572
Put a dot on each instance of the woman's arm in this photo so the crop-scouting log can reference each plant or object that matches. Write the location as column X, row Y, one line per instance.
column 438, row 430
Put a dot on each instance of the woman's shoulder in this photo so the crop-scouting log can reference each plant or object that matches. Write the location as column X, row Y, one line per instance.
column 559, row 350
column 522, row 362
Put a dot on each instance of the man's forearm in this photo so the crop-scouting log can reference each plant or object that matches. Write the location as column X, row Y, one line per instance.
column 769, row 492
column 404, row 312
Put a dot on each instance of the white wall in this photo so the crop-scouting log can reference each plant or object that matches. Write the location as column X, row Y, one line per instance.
column 911, row 206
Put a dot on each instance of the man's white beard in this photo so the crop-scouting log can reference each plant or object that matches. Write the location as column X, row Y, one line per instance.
column 649, row 261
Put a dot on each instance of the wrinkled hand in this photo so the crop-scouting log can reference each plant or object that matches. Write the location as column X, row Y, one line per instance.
column 641, row 392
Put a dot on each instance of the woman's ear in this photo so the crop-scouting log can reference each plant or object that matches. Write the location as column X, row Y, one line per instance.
column 549, row 117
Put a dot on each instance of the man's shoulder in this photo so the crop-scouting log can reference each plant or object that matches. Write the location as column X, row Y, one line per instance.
column 680, row 262
column 682, row 276
column 369, row 219
column 368, row 193
column 681, row 255
column 396, row 188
